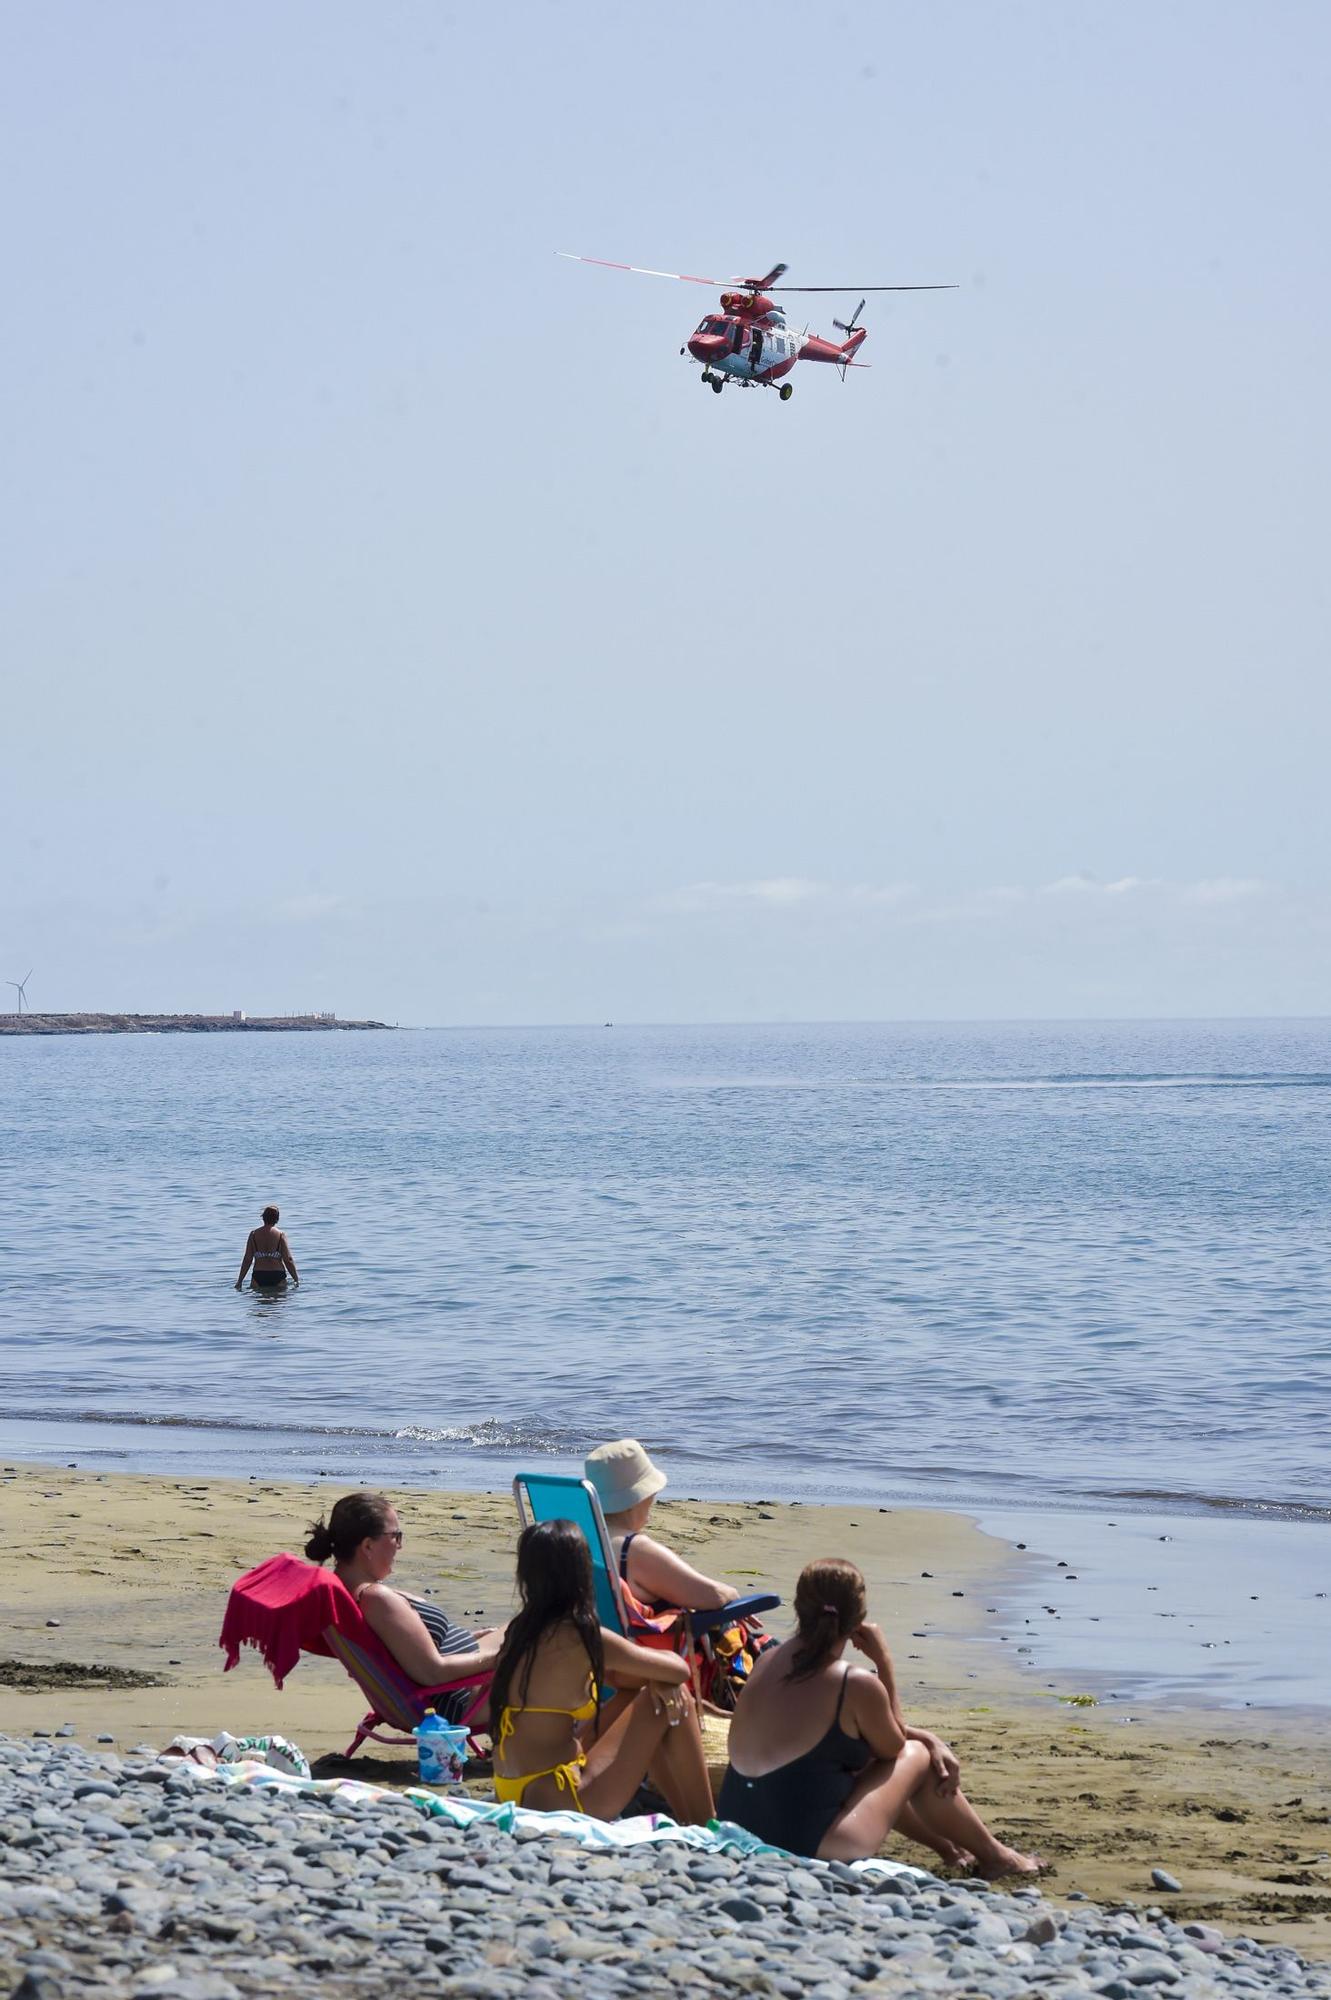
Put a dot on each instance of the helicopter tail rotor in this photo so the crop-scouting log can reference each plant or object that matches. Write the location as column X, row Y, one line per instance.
column 847, row 326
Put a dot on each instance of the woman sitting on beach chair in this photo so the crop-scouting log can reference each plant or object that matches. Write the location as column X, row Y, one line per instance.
column 627, row 1484
column 363, row 1535
column 550, row 1753
column 653, row 1579
column 821, row 1760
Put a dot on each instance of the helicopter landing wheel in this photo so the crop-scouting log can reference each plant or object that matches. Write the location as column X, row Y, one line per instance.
column 717, row 384
column 786, row 391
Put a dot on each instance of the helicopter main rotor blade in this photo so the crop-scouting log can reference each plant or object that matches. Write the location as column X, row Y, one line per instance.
column 864, row 288
column 641, row 270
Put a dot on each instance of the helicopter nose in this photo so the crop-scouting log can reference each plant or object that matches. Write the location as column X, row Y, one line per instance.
column 707, row 346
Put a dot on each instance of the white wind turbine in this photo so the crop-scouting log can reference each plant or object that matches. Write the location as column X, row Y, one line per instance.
column 20, row 986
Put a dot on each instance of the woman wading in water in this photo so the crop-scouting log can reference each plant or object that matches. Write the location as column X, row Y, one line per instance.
column 270, row 1253
column 821, row 1759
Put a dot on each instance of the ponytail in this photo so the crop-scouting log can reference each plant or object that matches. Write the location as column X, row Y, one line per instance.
column 829, row 1604
column 320, row 1545
column 356, row 1518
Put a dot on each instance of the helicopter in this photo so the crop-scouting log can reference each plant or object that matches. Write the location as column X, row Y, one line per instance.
column 748, row 342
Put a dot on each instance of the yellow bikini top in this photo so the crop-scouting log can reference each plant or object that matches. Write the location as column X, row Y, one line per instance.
column 584, row 1713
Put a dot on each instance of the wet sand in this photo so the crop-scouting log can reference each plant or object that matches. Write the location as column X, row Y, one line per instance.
column 115, row 1579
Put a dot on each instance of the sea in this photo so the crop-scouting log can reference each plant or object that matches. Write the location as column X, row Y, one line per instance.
column 1074, row 1267
column 977, row 1262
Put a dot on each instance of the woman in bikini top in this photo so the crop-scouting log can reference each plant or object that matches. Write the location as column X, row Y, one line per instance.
column 821, row 1759
column 558, row 1746
column 270, row 1253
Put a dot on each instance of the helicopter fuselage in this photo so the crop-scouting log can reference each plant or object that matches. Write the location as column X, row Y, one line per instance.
column 748, row 342
column 744, row 349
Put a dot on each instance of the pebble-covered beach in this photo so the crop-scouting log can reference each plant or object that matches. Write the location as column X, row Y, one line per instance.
column 129, row 1876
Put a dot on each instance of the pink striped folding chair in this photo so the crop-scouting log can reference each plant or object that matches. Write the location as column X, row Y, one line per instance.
column 396, row 1702
column 287, row 1607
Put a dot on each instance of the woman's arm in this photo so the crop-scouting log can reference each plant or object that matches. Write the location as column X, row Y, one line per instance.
column 947, row 1769
column 288, row 1259
column 868, row 1639
column 872, row 1714
column 642, row 1663
column 658, row 1572
column 402, row 1629
column 249, row 1259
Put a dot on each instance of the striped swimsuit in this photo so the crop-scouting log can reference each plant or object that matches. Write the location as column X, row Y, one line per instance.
column 449, row 1638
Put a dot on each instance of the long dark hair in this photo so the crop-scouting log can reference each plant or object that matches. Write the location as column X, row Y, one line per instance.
column 830, row 1602
column 556, row 1588
column 357, row 1517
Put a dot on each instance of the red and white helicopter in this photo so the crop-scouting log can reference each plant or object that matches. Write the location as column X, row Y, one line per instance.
column 748, row 341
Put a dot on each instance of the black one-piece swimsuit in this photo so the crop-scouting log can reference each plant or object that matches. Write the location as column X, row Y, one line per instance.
column 793, row 1806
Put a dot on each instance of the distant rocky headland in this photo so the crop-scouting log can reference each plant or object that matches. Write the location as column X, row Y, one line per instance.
column 175, row 1024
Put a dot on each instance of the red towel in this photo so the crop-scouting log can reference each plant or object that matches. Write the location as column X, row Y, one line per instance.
column 284, row 1607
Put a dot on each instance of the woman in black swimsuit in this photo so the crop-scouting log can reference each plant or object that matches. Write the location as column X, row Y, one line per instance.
column 270, row 1253
column 821, row 1761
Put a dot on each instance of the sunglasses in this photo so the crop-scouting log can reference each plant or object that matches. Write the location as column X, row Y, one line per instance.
column 396, row 1534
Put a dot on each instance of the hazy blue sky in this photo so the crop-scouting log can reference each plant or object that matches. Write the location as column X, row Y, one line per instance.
column 391, row 624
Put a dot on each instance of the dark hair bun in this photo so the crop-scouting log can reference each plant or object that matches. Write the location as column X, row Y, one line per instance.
column 320, row 1545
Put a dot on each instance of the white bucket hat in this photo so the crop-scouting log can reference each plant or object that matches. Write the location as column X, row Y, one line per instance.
column 622, row 1475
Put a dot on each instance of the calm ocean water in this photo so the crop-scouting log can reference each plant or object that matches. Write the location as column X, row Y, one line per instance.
column 1006, row 1264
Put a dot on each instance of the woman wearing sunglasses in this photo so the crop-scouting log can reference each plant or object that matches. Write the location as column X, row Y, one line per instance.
column 363, row 1536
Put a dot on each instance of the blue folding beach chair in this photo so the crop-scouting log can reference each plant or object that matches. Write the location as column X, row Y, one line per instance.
column 555, row 1496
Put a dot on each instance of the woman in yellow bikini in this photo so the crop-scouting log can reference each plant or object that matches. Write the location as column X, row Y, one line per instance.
column 550, row 1753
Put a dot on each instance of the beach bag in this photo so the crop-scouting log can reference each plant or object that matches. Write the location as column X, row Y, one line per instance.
column 722, row 1659
column 725, row 1658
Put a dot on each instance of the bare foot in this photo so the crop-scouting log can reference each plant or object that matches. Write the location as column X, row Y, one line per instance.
column 953, row 1856
column 1007, row 1861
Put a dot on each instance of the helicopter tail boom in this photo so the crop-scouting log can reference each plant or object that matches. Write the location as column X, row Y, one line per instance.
column 840, row 352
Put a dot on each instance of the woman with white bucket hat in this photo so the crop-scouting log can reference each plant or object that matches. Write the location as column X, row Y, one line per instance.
column 626, row 1484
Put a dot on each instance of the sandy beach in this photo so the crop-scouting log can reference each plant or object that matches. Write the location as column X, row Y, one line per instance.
column 112, row 1612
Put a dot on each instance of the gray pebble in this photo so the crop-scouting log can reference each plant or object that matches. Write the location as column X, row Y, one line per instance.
column 196, row 1891
column 743, row 1909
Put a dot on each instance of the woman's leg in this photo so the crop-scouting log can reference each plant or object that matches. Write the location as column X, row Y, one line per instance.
column 679, row 1769
column 911, row 1827
column 640, row 1739
column 874, row 1808
column 618, row 1759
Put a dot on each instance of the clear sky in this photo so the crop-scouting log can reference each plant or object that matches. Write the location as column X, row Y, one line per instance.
column 391, row 624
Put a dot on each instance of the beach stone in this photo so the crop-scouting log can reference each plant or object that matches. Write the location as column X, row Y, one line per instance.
column 1162, row 1879
column 744, row 1909
column 1153, row 1972
column 407, row 1904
